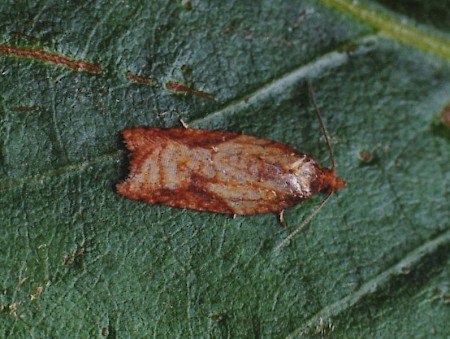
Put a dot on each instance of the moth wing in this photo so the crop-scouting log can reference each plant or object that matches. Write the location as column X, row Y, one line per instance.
column 164, row 163
column 208, row 170
column 253, row 175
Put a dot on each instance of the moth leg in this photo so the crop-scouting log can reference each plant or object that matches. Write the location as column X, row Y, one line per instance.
column 281, row 220
column 185, row 125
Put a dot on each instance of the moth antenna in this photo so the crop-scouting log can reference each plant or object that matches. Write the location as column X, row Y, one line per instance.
column 304, row 223
column 324, row 129
column 333, row 169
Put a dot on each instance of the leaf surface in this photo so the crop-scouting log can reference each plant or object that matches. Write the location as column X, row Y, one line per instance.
column 77, row 259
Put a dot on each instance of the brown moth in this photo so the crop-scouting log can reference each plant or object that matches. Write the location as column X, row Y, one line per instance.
column 223, row 172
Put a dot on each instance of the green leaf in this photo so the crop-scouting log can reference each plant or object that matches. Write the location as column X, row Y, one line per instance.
column 76, row 259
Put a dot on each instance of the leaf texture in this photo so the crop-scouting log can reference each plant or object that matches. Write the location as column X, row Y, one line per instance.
column 76, row 259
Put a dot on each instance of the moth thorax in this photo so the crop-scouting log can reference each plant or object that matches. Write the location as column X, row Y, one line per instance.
column 304, row 174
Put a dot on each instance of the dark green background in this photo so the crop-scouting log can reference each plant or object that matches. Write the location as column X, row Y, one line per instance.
column 373, row 263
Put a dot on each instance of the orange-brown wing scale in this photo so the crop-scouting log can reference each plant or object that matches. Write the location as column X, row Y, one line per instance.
column 216, row 171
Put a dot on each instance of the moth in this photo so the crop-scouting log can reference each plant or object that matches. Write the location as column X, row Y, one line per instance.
column 224, row 172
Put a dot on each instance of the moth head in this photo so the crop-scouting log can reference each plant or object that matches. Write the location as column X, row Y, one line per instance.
column 336, row 183
column 328, row 181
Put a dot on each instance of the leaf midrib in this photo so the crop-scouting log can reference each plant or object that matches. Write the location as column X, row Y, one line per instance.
column 390, row 25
